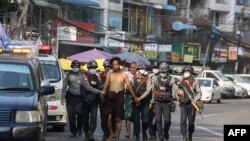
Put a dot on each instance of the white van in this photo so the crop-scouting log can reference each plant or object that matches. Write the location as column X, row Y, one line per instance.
column 227, row 86
column 57, row 113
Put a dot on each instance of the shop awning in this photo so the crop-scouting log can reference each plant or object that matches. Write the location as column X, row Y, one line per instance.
column 169, row 7
column 82, row 3
column 45, row 4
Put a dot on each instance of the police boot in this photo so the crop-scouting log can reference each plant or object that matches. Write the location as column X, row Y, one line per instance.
column 184, row 137
column 190, row 136
column 86, row 137
column 91, row 137
column 160, row 138
column 145, row 136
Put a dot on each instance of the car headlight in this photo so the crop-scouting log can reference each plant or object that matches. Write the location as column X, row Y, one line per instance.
column 55, row 96
column 27, row 116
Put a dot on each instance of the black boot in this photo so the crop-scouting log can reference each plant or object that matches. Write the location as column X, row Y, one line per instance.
column 184, row 137
column 145, row 136
column 161, row 138
column 91, row 137
column 190, row 135
column 86, row 137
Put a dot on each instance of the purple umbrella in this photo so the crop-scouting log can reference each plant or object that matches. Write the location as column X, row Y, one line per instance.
column 90, row 55
column 3, row 37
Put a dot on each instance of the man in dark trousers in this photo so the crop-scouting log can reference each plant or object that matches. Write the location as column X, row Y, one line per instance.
column 163, row 98
column 188, row 112
column 71, row 92
column 141, row 110
column 91, row 102
column 104, row 117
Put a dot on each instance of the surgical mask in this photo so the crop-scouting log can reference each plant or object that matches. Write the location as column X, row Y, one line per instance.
column 142, row 71
column 92, row 71
column 75, row 70
column 186, row 75
column 155, row 71
column 164, row 75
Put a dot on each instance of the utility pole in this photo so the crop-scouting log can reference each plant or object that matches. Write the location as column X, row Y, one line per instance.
column 239, row 33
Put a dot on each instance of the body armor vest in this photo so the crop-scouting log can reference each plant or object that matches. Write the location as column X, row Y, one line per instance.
column 93, row 80
column 163, row 90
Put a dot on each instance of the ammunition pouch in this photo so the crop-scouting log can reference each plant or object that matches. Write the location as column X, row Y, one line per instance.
column 163, row 98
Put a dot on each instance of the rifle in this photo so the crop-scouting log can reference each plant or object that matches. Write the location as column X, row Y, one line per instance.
column 197, row 108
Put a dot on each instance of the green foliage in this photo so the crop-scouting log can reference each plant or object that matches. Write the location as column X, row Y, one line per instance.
column 4, row 3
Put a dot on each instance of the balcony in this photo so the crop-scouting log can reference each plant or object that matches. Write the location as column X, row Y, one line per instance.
column 220, row 5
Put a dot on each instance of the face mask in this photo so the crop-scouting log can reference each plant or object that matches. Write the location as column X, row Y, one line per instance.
column 145, row 73
column 92, row 71
column 142, row 71
column 155, row 71
column 186, row 75
column 164, row 75
column 75, row 70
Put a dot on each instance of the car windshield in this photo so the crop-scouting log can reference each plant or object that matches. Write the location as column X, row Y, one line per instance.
column 246, row 78
column 15, row 77
column 222, row 76
column 204, row 83
column 239, row 79
column 51, row 70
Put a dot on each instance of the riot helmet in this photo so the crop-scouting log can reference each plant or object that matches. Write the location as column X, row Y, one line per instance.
column 187, row 71
column 75, row 64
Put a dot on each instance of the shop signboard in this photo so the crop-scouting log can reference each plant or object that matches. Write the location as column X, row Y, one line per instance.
column 151, row 50
column 66, row 33
column 220, row 55
column 117, row 35
column 232, row 53
column 192, row 49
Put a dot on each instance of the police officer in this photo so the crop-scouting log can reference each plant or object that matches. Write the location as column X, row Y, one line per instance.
column 163, row 98
column 71, row 91
column 187, row 110
column 141, row 111
column 91, row 102
column 152, row 81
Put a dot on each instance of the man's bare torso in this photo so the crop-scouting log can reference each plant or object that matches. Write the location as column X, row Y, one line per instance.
column 117, row 81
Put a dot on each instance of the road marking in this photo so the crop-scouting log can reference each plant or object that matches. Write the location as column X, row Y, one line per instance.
column 209, row 131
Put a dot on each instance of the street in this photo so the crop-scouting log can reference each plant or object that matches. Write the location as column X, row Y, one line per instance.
column 208, row 128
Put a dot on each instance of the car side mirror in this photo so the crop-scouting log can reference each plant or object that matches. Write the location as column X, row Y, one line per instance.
column 47, row 90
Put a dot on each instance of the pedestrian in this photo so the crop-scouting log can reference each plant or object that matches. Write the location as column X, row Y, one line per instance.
column 129, row 99
column 116, row 81
column 188, row 112
column 91, row 101
column 141, row 110
column 104, row 117
column 71, row 92
column 163, row 98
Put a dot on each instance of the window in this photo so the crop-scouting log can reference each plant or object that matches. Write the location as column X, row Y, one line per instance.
column 204, row 83
column 217, row 18
column 88, row 15
column 51, row 70
column 216, row 83
column 115, row 1
column 210, row 75
column 15, row 77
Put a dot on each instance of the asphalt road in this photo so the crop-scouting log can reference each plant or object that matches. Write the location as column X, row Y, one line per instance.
column 208, row 128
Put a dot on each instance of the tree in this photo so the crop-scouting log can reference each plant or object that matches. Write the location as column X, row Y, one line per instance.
column 4, row 3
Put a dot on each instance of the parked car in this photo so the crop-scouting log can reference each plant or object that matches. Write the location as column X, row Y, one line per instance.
column 211, row 91
column 227, row 88
column 23, row 107
column 240, row 92
column 57, row 113
column 238, row 80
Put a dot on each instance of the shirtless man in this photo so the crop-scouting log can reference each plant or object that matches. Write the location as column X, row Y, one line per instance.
column 116, row 81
